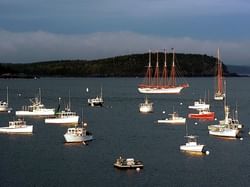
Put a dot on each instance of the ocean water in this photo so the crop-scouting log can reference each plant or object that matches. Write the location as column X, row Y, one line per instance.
column 43, row 159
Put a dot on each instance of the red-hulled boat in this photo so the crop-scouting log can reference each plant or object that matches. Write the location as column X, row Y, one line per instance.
column 203, row 115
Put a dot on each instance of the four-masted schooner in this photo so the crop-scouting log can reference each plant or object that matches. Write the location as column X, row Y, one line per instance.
column 161, row 85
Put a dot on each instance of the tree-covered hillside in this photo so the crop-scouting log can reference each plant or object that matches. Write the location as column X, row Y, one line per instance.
column 121, row 66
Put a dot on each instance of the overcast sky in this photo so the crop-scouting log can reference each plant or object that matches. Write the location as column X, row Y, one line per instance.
column 41, row 30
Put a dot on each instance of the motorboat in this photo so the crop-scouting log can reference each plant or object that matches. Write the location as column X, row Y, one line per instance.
column 65, row 116
column 174, row 119
column 199, row 105
column 78, row 134
column 202, row 115
column 36, row 108
column 4, row 105
column 192, row 145
column 128, row 163
column 224, row 128
column 97, row 101
column 146, row 107
column 17, row 126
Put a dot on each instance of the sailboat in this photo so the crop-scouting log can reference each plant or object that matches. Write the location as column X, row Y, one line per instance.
column 219, row 90
column 153, row 85
column 4, row 106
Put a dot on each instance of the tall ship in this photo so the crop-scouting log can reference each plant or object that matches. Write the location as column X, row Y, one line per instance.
column 36, row 108
column 154, row 84
column 219, row 94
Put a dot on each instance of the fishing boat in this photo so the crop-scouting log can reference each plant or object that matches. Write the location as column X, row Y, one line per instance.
column 78, row 134
column 128, row 163
column 65, row 116
column 174, row 119
column 97, row 101
column 36, row 108
column 202, row 115
column 192, row 144
column 225, row 128
column 146, row 107
column 199, row 105
column 219, row 90
column 153, row 84
column 17, row 126
column 4, row 105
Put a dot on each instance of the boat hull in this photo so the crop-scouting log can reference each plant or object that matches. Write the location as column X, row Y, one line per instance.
column 224, row 132
column 70, row 138
column 202, row 116
column 66, row 120
column 146, row 109
column 27, row 129
column 159, row 90
column 47, row 112
column 128, row 166
column 192, row 148
column 179, row 121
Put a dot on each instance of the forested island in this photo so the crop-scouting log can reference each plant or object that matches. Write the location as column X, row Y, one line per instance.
column 134, row 65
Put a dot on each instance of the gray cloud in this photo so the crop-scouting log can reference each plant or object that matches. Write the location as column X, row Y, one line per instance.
column 42, row 46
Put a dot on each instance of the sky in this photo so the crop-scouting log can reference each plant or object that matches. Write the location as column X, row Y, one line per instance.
column 42, row 30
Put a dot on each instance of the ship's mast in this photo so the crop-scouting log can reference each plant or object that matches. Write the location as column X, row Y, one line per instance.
column 164, row 73
column 172, row 74
column 156, row 76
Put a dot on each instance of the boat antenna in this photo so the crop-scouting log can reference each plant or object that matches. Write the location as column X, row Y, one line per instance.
column 40, row 95
column 69, row 101
column 101, row 91
column 7, row 95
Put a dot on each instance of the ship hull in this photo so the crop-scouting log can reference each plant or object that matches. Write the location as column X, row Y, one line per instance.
column 206, row 116
column 67, row 120
column 159, row 90
column 27, row 129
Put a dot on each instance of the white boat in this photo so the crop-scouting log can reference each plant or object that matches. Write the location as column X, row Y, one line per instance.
column 224, row 128
column 219, row 90
column 128, row 163
column 146, row 107
column 18, row 126
column 97, row 101
column 174, row 119
column 4, row 106
column 36, row 108
column 78, row 134
column 199, row 105
column 192, row 145
column 63, row 117
column 153, row 84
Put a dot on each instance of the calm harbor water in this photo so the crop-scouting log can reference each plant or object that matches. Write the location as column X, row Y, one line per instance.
column 43, row 159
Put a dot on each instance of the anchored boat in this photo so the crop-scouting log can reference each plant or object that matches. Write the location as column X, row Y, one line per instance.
column 17, row 126
column 153, row 85
column 128, row 163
